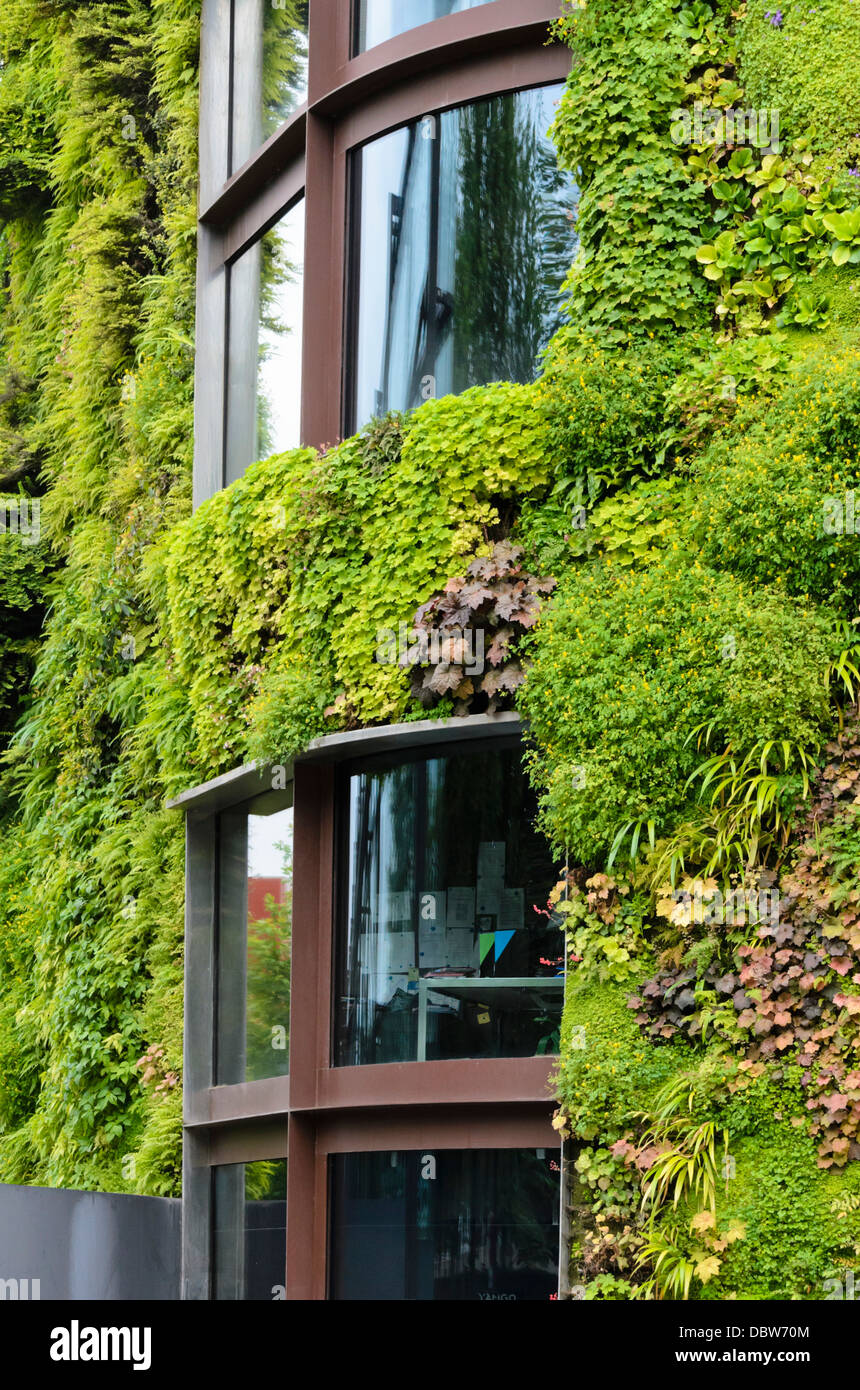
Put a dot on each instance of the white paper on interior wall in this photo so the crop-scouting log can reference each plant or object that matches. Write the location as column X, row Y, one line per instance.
column 461, row 950
column 395, row 911
column 401, row 953
column 511, row 916
column 432, row 949
column 460, row 908
column 491, row 877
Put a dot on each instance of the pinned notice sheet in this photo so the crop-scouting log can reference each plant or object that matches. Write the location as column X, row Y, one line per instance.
column 511, row 912
column 491, row 877
column 461, row 909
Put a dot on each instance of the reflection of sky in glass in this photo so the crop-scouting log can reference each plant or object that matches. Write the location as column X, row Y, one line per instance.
column 265, row 833
column 280, row 372
column 382, row 171
column 382, row 19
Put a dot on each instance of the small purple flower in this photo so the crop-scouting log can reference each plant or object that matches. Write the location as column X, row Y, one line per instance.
column 855, row 173
column 775, row 17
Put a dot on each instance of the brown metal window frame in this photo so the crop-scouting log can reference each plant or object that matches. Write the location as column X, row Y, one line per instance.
column 320, row 1109
column 498, row 47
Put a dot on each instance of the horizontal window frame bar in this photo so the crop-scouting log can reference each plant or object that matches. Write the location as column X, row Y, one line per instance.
column 471, row 1082
column 453, row 41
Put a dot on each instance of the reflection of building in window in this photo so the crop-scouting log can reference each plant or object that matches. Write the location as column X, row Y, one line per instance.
column 264, row 368
column 269, row 945
column 477, row 222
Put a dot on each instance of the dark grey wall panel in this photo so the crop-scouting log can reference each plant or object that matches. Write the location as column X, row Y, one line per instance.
column 88, row 1245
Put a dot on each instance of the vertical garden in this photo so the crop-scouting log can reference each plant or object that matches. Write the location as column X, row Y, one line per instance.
column 660, row 533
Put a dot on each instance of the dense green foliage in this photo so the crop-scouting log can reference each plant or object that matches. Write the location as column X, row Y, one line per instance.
column 684, row 468
column 97, row 139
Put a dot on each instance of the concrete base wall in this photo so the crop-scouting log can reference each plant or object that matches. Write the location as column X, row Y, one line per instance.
column 88, row 1245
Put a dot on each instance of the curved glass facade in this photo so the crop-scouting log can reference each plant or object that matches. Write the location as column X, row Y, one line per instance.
column 465, row 230
column 375, row 229
column 378, row 20
column 446, row 951
column 476, row 1225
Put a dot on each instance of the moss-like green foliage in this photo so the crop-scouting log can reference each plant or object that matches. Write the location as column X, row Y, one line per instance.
column 779, row 503
column 629, row 663
column 608, row 1072
column 681, row 480
column 795, row 1236
column 806, row 69
column 305, row 572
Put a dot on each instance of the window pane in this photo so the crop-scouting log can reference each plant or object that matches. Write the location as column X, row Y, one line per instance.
column 270, row 70
column 250, row 1230
column 442, row 953
column 254, row 944
column 382, row 19
column 285, row 61
column 265, row 346
column 465, row 235
column 480, row 1224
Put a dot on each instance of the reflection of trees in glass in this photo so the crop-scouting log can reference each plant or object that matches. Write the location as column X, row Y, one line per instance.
column 377, row 22
column 285, row 61
column 268, row 985
column 266, row 1180
column 515, row 241
column 480, row 237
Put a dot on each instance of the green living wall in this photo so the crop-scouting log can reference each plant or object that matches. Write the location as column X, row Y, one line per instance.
column 658, row 536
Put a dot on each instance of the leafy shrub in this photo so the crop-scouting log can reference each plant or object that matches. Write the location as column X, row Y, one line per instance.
column 763, row 507
column 605, row 407
column 805, row 67
column 477, row 622
column 640, row 213
column 300, row 555
column 627, row 664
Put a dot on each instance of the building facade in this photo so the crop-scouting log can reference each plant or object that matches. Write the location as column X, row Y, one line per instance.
column 373, row 983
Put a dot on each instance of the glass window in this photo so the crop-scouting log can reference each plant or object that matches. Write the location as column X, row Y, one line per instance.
column 378, row 20
column 250, row 1231
column 444, row 948
column 465, row 235
column 479, row 1224
column 264, row 368
column 270, row 70
column 255, row 895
